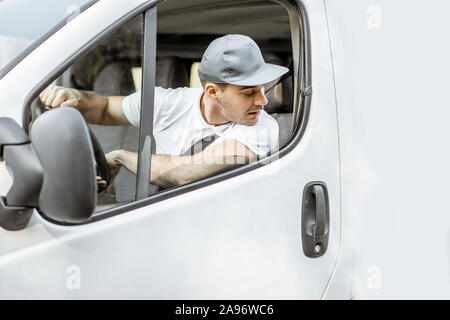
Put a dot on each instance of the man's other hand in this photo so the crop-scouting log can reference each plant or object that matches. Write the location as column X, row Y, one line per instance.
column 100, row 183
column 56, row 96
column 113, row 159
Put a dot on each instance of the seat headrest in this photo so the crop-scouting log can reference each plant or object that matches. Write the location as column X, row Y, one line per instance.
column 280, row 99
column 171, row 73
column 116, row 78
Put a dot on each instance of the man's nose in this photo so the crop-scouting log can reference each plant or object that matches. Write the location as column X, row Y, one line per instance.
column 261, row 99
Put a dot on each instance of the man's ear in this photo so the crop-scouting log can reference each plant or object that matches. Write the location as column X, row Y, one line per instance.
column 211, row 90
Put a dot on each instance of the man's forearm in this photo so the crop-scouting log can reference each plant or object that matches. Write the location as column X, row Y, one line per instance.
column 96, row 108
column 103, row 110
column 168, row 171
column 160, row 165
column 92, row 105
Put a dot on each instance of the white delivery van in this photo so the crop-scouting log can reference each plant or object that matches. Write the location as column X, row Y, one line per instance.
column 353, row 205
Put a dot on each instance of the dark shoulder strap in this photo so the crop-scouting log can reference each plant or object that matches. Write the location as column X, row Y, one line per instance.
column 284, row 77
column 200, row 145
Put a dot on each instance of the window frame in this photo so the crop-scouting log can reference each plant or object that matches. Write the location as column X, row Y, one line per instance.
column 300, row 37
column 146, row 139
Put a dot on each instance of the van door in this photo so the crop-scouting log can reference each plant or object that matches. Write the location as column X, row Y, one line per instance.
column 241, row 235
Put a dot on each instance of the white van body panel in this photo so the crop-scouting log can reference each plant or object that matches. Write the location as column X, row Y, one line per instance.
column 391, row 73
column 376, row 135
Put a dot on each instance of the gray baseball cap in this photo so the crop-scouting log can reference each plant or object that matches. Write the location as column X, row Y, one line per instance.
column 236, row 59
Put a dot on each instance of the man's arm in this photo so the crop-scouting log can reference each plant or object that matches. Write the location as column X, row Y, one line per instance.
column 96, row 108
column 168, row 171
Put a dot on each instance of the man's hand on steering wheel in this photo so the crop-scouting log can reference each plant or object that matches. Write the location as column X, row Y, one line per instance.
column 56, row 96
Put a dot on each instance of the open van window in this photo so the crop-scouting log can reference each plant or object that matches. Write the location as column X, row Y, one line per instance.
column 107, row 70
column 113, row 74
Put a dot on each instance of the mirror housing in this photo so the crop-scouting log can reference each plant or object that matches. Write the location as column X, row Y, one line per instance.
column 61, row 141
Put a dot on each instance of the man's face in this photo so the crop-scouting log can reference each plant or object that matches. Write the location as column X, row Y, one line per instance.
column 241, row 104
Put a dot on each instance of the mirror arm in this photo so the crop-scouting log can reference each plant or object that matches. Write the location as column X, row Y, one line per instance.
column 14, row 218
column 27, row 173
column 27, row 176
column 11, row 134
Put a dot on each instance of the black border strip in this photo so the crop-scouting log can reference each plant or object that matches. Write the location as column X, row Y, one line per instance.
column 301, row 118
column 146, row 140
column 40, row 40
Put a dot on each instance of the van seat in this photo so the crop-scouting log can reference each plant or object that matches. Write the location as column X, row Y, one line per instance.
column 284, row 123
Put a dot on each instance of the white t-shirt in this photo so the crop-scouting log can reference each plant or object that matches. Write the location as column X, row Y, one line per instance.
column 178, row 123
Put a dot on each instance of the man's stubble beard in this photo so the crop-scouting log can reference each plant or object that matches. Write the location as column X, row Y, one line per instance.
column 231, row 117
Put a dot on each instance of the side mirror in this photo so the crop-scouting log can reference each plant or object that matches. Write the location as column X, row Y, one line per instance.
column 61, row 140
column 55, row 172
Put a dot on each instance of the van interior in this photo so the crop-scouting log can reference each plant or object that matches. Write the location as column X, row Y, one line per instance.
column 184, row 30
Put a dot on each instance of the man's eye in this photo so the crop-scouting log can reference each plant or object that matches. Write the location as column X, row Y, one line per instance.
column 248, row 93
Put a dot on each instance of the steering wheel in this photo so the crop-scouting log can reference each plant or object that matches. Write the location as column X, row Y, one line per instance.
column 100, row 159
